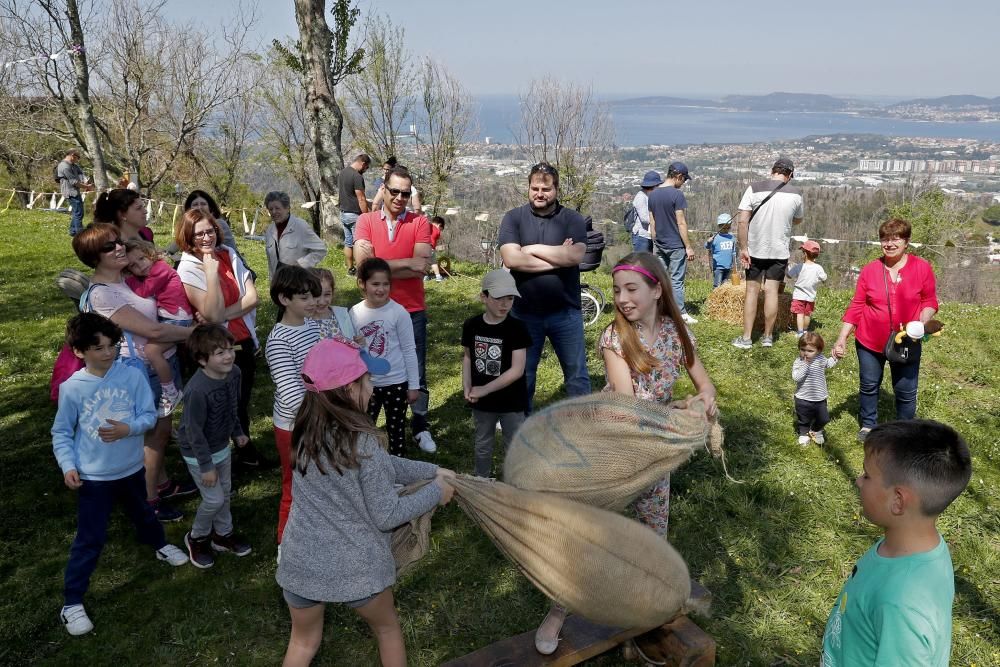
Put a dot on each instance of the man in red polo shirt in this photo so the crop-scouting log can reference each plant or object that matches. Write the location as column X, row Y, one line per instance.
column 403, row 239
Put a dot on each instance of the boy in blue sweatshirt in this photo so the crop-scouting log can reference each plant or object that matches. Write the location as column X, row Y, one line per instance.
column 723, row 248
column 104, row 408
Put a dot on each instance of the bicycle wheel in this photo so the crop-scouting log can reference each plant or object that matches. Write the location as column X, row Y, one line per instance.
column 599, row 295
column 590, row 307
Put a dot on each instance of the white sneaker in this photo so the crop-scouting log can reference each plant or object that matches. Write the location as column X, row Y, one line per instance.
column 767, row 341
column 818, row 437
column 803, row 440
column 169, row 403
column 172, row 555
column 75, row 618
column 687, row 318
column 742, row 343
column 277, row 560
column 426, row 442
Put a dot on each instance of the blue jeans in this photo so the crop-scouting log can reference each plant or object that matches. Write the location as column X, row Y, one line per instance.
column 871, row 366
column 675, row 262
column 95, row 500
column 348, row 221
column 564, row 329
column 641, row 244
column 720, row 275
column 76, row 214
column 418, row 423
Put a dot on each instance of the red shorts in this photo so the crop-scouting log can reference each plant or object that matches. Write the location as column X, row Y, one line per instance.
column 800, row 307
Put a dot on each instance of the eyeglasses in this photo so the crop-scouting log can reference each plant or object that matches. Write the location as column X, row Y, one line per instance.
column 111, row 245
column 204, row 234
column 393, row 192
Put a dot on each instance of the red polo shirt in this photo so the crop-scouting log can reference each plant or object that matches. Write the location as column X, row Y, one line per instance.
column 411, row 229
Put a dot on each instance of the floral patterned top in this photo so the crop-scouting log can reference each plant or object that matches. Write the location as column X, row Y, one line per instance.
column 658, row 384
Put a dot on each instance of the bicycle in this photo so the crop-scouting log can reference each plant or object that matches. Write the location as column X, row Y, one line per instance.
column 592, row 302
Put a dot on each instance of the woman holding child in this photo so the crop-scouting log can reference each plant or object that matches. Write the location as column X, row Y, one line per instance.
column 222, row 291
column 646, row 350
column 100, row 246
column 892, row 291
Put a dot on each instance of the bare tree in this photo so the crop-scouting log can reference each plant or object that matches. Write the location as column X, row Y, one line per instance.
column 326, row 60
column 382, row 93
column 446, row 114
column 562, row 123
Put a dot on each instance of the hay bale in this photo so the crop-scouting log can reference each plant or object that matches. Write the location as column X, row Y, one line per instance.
column 725, row 303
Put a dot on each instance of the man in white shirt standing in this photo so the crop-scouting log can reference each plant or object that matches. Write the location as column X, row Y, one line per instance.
column 640, row 228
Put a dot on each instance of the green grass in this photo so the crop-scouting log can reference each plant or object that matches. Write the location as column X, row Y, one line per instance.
column 773, row 551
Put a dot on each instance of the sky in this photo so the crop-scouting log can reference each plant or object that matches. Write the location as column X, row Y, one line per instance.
column 871, row 48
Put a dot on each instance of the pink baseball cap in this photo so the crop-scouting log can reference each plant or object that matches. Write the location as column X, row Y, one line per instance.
column 335, row 362
column 811, row 246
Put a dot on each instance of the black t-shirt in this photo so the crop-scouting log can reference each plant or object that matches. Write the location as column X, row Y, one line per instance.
column 553, row 290
column 349, row 181
column 491, row 347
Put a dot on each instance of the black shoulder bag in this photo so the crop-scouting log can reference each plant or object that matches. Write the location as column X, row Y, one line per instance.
column 759, row 206
column 904, row 352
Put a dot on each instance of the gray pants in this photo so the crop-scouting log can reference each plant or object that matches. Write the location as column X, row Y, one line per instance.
column 213, row 512
column 486, row 425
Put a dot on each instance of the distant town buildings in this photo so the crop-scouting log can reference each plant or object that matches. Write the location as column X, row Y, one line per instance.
column 931, row 166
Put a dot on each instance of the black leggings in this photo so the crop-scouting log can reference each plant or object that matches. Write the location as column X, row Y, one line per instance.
column 246, row 361
column 811, row 415
column 393, row 397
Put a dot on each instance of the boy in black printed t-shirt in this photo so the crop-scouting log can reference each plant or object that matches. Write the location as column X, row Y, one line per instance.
column 495, row 348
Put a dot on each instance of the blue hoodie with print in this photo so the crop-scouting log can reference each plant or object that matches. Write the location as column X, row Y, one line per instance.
column 85, row 403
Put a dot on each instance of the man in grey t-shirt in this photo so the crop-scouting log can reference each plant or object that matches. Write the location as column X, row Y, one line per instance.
column 763, row 244
column 72, row 182
column 353, row 203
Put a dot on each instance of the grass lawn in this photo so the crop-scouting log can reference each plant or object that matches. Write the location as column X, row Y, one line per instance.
column 773, row 551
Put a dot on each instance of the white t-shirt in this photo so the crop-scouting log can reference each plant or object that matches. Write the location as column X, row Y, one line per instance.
column 388, row 333
column 771, row 227
column 808, row 276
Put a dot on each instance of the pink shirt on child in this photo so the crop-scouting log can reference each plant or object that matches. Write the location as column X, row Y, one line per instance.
column 164, row 285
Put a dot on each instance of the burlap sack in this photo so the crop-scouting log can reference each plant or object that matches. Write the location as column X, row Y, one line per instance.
column 598, row 564
column 411, row 541
column 606, row 449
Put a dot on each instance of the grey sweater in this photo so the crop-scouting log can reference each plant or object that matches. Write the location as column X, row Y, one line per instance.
column 210, row 419
column 336, row 545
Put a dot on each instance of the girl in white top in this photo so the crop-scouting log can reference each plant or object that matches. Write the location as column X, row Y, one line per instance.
column 808, row 275
column 388, row 334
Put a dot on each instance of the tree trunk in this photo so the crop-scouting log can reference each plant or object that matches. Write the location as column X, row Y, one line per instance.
column 326, row 121
column 83, row 104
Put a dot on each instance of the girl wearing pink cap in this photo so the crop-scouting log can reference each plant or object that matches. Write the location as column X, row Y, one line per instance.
column 336, row 544
column 808, row 275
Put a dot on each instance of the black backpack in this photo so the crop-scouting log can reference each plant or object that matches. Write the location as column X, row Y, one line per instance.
column 595, row 248
column 55, row 173
column 630, row 218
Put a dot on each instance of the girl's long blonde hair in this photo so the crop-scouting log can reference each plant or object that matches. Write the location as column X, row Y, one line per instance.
column 636, row 355
column 327, row 426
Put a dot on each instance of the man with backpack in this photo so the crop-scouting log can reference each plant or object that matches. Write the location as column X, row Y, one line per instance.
column 72, row 181
column 637, row 216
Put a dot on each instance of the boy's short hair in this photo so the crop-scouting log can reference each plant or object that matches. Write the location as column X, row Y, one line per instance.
column 206, row 339
column 291, row 279
column 148, row 249
column 439, row 221
column 83, row 329
column 926, row 455
column 812, row 338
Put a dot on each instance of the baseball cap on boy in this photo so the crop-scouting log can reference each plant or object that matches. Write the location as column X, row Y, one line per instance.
column 811, row 246
column 498, row 283
column 679, row 168
column 724, row 219
column 335, row 362
column 783, row 163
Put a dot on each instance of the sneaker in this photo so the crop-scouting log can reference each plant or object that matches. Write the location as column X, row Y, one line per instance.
column 742, row 343
column 277, row 559
column 426, row 278
column 863, row 433
column 803, row 440
column 438, row 279
column 818, row 437
column 247, row 456
column 353, row 271
column 165, row 513
column 767, row 341
column 425, row 442
column 230, row 542
column 169, row 403
column 75, row 618
column 199, row 551
column 800, row 334
column 171, row 489
column 687, row 318
column 172, row 555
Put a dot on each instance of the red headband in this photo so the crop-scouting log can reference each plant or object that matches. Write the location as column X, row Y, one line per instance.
column 638, row 269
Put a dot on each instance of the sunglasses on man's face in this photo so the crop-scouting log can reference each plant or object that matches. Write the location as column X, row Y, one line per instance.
column 393, row 192
column 111, row 245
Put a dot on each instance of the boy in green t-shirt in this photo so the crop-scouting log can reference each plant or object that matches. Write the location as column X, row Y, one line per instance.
column 895, row 608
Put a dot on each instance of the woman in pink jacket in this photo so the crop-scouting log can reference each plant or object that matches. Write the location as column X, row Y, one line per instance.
column 905, row 285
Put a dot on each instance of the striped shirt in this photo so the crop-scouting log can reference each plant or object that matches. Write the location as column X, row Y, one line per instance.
column 285, row 352
column 810, row 377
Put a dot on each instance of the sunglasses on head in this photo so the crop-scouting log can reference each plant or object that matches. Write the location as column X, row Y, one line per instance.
column 543, row 168
column 111, row 245
column 393, row 192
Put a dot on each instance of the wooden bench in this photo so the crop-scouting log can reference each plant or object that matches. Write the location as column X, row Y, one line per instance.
column 679, row 643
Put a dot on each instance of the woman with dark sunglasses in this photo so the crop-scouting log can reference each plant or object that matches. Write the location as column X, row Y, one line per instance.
column 100, row 247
